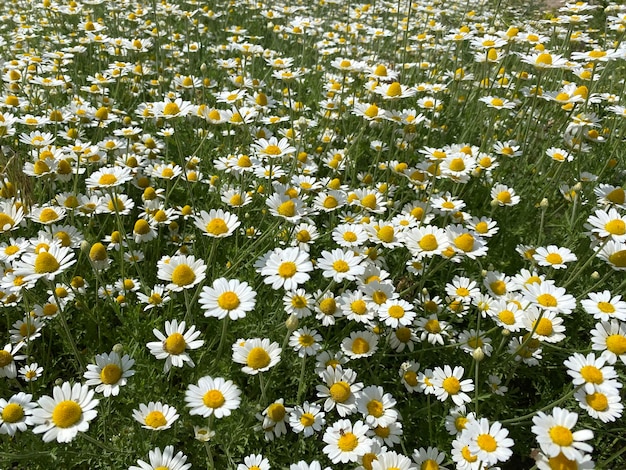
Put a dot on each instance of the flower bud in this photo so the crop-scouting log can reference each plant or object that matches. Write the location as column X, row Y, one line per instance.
column 292, row 322
column 478, row 354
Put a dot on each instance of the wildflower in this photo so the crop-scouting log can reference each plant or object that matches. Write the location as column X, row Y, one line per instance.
column 257, row 355
column 173, row 345
column 109, row 373
column 426, row 241
column 16, row 413
column 610, row 338
column 286, row 268
column 591, row 372
column 182, row 272
column 254, row 462
column 227, row 298
column 307, row 419
column 554, row 434
column 274, row 419
column 447, row 383
column 497, row 103
column 340, row 390
column 544, row 462
column 31, row 372
column 163, row 459
column 607, row 224
column 212, row 396
column 360, row 344
column 390, row 460
column 376, row 406
column 155, row 416
column 614, row 253
column 504, row 196
column 604, row 306
column 45, row 264
column 604, row 404
column 66, row 413
column 488, row 442
column 549, row 297
column 217, row 223
column 430, row 458
column 547, row 326
column 340, row 265
column 553, row 256
column 158, row 297
column 108, row 177
column 387, row 435
column 432, row 329
column 305, row 341
column 345, row 441
column 8, row 357
column 396, row 313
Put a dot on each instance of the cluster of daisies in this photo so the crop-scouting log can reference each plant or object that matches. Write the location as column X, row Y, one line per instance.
column 331, row 206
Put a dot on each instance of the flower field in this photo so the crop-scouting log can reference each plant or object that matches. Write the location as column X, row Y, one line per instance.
column 312, row 235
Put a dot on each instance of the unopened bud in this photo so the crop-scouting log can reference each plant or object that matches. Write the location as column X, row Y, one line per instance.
column 544, row 203
column 595, row 275
column 478, row 354
column 118, row 348
column 292, row 322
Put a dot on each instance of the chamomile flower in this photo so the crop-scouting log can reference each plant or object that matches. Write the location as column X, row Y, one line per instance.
column 549, row 297
column 307, row 419
column 173, row 346
column 488, row 442
column 546, row 326
column 340, row 390
column 604, row 404
column 163, row 459
column 16, row 413
column 108, row 177
column 45, row 264
column 31, row 372
column 340, row 265
column 391, row 460
column 376, row 406
column 254, row 462
column 182, row 272
column 604, row 306
column 274, row 419
column 227, row 298
column 217, row 223
column 591, row 372
column 256, row 355
column 65, row 414
column 396, row 312
column 345, row 442
column 583, row 462
column 430, row 458
column 212, row 396
column 8, row 357
column 426, row 241
column 614, row 253
column 555, row 436
column 554, row 256
column 109, row 373
column 610, row 338
column 285, row 268
column 155, row 416
column 360, row 344
column 503, row 195
column 305, row 341
column 448, row 382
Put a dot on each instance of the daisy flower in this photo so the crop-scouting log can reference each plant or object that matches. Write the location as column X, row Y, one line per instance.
column 227, row 298
column 155, row 416
column 387, row 435
column 340, row 265
column 549, row 297
column 426, row 241
column 554, row 434
column 340, row 390
column 27, row 329
column 302, row 465
column 408, row 375
column 360, row 344
column 298, row 303
column 14, row 249
column 614, row 253
column 355, row 308
column 307, row 419
column 432, row 329
column 11, row 215
column 401, row 338
column 610, row 338
column 396, row 313
column 257, row 355
column 16, row 413
column 109, row 373
column 464, row 242
column 173, row 345
column 254, row 462
column 607, row 223
column 547, row 326
column 489, row 442
column 182, row 272
column 158, row 297
column 544, row 462
column 45, row 264
column 604, row 404
column 108, row 177
column 217, row 223
column 376, row 406
column 345, row 441
column 390, row 460
column 447, row 383
column 65, row 414
column 286, row 268
column 31, row 372
column 274, row 419
column 305, row 341
column 212, row 396
column 273, row 148
column 591, row 372
column 8, row 357
column 604, row 306
column 429, row 458
column 554, row 256
column 163, row 459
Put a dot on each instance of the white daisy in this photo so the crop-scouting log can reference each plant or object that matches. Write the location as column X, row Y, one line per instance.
column 212, row 396
column 165, row 459
column 155, row 416
column 345, row 441
column 227, row 298
column 257, row 355
column 174, row 344
column 16, row 413
column 109, row 373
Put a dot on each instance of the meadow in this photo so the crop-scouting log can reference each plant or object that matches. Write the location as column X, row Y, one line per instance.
column 312, row 234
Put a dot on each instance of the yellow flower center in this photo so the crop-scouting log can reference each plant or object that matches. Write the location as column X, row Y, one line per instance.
column 66, row 414
column 403, row 334
column 547, row 300
column 375, row 408
column 155, row 419
column 175, row 344
column 617, row 196
column 592, row 374
column 544, row 59
column 287, row 209
column 371, row 111
column 26, row 330
column 276, row 412
column 340, row 391
column 48, row 215
column 359, row 307
column 543, row 327
column 287, row 269
column 615, row 343
column 498, row 287
column 561, row 436
column 46, row 263
column 410, row 377
column 306, row 340
column 460, row 422
column 606, row 307
column 98, row 252
column 330, row 202
column 171, row 109
column 348, row 442
column 616, row 227
column 467, row 455
column 12, row 413
column 432, row 326
column 560, row 462
column 217, row 227
column 618, row 259
column 213, row 399
column 507, row 317
column 386, row 234
column 141, row 227
column 451, row 385
column 307, row 419
column 379, row 297
column 183, row 275
column 369, row 201
column 396, row 311
column 598, row 401
column 272, row 150
column 258, row 358
column 554, row 258
column 486, row 442
column 328, row 306
column 110, row 374
column 429, row 464
column 360, row 346
column 107, row 179
column 464, row 242
column 457, row 164
column 428, row 243
column 228, row 300
column 497, row 102
column 504, row 197
column 381, row 431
